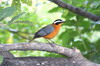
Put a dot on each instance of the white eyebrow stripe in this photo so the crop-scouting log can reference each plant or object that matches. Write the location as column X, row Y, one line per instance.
column 57, row 21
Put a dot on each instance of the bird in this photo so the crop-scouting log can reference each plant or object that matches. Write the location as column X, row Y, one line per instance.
column 50, row 31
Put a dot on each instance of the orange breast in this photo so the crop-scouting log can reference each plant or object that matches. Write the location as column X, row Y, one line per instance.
column 54, row 33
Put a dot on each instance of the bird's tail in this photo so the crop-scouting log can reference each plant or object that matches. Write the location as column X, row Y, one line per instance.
column 31, row 40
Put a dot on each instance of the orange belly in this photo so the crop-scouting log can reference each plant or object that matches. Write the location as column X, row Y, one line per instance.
column 54, row 33
column 51, row 35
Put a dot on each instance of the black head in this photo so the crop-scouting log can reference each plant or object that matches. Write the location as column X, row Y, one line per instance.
column 58, row 21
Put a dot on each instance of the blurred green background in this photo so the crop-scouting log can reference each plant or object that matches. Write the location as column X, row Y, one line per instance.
column 20, row 19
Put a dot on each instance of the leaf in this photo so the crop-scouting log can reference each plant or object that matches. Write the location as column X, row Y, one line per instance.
column 70, row 23
column 65, row 13
column 68, row 1
column 28, row 2
column 55, row 9
column 79, row 44
column 97, row 27
column 10, row 39
column 1, row 59
column 23, row 22
column 17, row 4
column 69, row 15
column 78, row 3
column 16, row 17
column 6, row 12
column 97, row 44
column 68, row 36
column 94, row 23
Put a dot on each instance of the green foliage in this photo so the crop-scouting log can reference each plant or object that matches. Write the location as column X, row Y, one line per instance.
column 28, row 2
column 17, row 4
column 6, row 12
column 55, row 9
column 16, row 17
column 1, row 59
column 68, row 1
column 76, row 32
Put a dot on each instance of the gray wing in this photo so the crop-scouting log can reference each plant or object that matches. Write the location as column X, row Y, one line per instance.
column 44, row 31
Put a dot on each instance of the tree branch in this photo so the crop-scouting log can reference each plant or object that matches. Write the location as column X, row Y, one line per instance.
column 40, row 46
column 6, row 54
column 19, row 33
column 36, row 61
column 76, row 10
column 75, row 57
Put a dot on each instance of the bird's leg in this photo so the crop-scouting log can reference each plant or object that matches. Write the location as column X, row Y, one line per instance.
column 53, row 43
column 50, row 43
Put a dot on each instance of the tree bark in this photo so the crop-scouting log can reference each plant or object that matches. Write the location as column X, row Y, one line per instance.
column 74, row 56
column 43, row 61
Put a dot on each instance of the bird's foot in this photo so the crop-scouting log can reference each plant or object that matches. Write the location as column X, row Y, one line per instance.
column 52, row 44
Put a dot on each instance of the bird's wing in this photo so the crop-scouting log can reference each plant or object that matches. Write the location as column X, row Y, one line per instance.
column 44, row 31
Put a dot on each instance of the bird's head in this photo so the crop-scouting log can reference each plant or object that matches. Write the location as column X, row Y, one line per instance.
column 58, row 22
